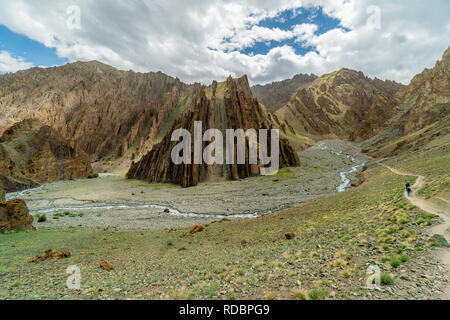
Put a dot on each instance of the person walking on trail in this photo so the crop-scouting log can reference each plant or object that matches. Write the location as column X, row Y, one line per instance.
column 408, row 188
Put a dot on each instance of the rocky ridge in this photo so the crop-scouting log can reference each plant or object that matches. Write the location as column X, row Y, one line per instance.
column 105, row 112
column 344, row 104
column 422, row 115
column 277, row 94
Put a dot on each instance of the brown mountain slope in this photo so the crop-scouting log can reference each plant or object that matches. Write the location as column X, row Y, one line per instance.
column 422, row 118
column 277, row 94
column 104, row 111
column 32, row 153
column 227, row 105
column 344, row 103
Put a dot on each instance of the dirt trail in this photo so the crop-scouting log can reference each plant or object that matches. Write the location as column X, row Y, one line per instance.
column 439, row 207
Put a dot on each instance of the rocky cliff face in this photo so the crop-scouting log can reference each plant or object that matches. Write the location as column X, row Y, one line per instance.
column 2, row 193
column 428, row 96
column 228, row 105
column 277, row 94
column 104, row 112
column 32, row 153
column 422, row 116
column 345, row 104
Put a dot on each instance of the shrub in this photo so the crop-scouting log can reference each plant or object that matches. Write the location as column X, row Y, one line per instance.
column 299, row 295
column 395, row 262
column 386, row 279
column 318, row 294
column 270, row 296
column 93, row 176
column 41, row 218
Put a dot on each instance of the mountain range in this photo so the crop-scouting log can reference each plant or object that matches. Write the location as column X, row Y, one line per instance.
column 89, row 112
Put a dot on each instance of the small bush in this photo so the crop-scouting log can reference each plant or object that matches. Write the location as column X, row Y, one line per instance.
column 93, row 176
column 270, row 296
column 41, row 218
column 318, row 294
column 386, row 279
column 300, row 295
column 395, row 261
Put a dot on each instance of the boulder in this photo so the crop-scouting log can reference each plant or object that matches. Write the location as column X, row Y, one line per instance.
column 290, row 235
column 14, row 216
column 2, row 194
column 440, row 240
column 196, row 229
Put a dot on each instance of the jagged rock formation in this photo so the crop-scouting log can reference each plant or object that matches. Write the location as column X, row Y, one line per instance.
column 14, row 216
column 277, row 94
column 345, row 104
column 105, row 112
column 422, row 117
column 32, row 153
column 228, row 105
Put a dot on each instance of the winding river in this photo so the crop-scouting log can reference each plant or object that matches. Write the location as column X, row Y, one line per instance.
column 107, row 206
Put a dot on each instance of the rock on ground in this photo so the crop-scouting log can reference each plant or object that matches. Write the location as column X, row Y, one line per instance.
column 14, row 216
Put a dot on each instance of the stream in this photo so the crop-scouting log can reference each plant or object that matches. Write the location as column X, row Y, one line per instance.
column 93, row 206
column 358, row 164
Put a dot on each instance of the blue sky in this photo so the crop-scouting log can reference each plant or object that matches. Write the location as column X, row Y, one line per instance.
column 39, row 55
column 286, row 20
column 32, row 51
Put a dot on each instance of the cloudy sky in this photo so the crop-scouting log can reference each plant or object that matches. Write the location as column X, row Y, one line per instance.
column 202, row 40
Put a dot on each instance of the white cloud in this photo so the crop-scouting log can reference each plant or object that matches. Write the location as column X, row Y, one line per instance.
column 186, row 38
column 9, row 63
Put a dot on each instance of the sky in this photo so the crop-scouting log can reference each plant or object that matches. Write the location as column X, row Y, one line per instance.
column 206, row 40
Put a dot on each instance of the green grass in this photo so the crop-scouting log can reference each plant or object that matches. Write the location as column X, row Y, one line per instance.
column 318, row 294
column 214, row 265
column 68, row 214
column 386, row 279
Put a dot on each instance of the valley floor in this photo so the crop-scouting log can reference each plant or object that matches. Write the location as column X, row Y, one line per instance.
column 338, row 236
column 113, row 201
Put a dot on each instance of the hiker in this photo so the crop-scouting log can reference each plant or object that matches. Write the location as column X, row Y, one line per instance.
column 408, row 188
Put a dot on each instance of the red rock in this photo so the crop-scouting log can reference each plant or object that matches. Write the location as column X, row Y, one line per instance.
column 14, row 216
column 290, row 235
column 196, row 229
column 106, row 266
column 49, row 255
